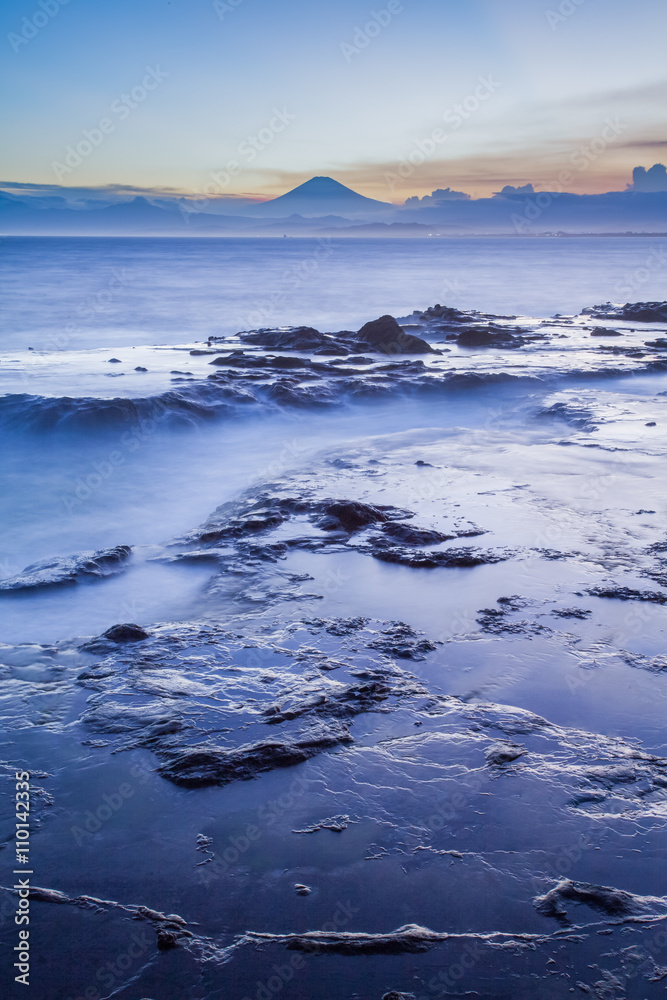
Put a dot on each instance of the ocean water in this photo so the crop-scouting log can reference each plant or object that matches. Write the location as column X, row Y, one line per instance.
column 452, row 712
column 76, row 303
column 70, row 294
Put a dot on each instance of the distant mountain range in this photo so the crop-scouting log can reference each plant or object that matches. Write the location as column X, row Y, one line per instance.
column 323, row 206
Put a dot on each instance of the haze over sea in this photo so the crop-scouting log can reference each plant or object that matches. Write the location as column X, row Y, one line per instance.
column 77, row 302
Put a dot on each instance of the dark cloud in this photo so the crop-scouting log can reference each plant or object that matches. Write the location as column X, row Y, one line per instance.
column 106, row 194
column 437, row 197
column 509, row 191
column 653, row 179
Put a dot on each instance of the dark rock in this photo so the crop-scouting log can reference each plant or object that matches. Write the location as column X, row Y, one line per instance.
column 445, row 313
column 337, row 824
column 646, row 312
column 167, row 939
column 348, row 515
column 127, row 632
column 197, row 768
column 385, row 335
column 627, row 594
column 345, row 626
column 287, row 362
column 504, row 753
column 494, row 621
column 410, row 939
column 352, row 700
column 487, row 337
column 295, row 338
column 401, row 640
column 431, row 560
column 612, row 902
column 256, row 520
column 639, row 312
column 140, row 368
column 115, row 361
column 64, row 570
column 302, row 890
column 334, row 351
column 409, row 535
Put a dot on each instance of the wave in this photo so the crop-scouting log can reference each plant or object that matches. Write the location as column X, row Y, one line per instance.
column 27, row 412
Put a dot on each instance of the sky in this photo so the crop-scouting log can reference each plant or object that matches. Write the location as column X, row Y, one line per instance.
column 252, row 97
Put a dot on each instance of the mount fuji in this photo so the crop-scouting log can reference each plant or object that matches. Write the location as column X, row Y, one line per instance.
column 318, row 197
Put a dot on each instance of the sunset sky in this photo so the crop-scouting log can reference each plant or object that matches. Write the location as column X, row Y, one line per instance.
column 283, row 91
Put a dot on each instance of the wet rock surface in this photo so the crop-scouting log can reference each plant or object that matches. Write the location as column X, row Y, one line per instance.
column 66, row 570
column 382, row 781
column 638, row 312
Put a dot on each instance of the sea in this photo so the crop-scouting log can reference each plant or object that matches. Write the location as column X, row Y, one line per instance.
column 392, row 658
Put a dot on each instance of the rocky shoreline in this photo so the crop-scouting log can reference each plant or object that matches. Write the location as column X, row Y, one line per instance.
column 413, row 714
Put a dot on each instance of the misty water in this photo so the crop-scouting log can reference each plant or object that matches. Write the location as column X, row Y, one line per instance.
column 516, row 692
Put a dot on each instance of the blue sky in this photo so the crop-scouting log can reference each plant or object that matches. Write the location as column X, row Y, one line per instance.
column 355, row 105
